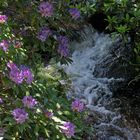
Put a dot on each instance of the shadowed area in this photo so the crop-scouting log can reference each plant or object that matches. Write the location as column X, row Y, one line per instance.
column 98, row 21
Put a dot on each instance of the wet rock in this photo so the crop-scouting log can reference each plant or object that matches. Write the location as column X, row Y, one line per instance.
column 130, row 101
column 117, row 63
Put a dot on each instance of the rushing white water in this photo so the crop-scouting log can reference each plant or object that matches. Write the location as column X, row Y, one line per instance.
column 95, row 92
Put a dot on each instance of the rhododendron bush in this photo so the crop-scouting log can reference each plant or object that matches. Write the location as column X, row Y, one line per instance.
column 32, row 105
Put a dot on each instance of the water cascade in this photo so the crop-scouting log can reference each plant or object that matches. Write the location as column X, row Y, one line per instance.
column 93, row 81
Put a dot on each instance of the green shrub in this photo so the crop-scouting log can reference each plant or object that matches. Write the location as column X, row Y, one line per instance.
column 32, row 100
column 123, row 18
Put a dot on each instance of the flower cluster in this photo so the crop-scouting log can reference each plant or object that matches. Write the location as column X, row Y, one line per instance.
column 3, row 18
column 48, row 114
column 63, row 46
column 77, row 105
column 68, row 129
column 17, row 44
column 27, row 74
column 2, row 131
column 29, row 101
column 1, row 101
column 44, row 33
column 18, row 75
column 22, row 74
column 41, row 138
column 75, row 13
column 4, row 45
column 46, row 9
column 20, row 115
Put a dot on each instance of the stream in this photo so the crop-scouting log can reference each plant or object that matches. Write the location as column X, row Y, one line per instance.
column 96, row 91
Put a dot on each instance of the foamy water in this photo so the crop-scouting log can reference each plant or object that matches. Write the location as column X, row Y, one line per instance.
column 95, row 92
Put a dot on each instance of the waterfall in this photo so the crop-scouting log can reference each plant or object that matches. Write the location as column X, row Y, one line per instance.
column 93, row 50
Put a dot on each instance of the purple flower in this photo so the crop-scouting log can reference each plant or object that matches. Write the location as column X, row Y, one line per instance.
column 77, row 105
column 1, row 101
column 44, row 33
column 11, row 65
column 63, row 46
column 2, row 131
column 46, row 9
column 27, row 74
column 29, row 101
column 20, row 115
column 75, row 13
column 48, row 114
column 41, row 138
column 63, row 40
column 15, row 73
column 17, row 44
column 3, row 18
column 18, row 75
column 69, row 129
column 63, row 51
column 4, row 45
